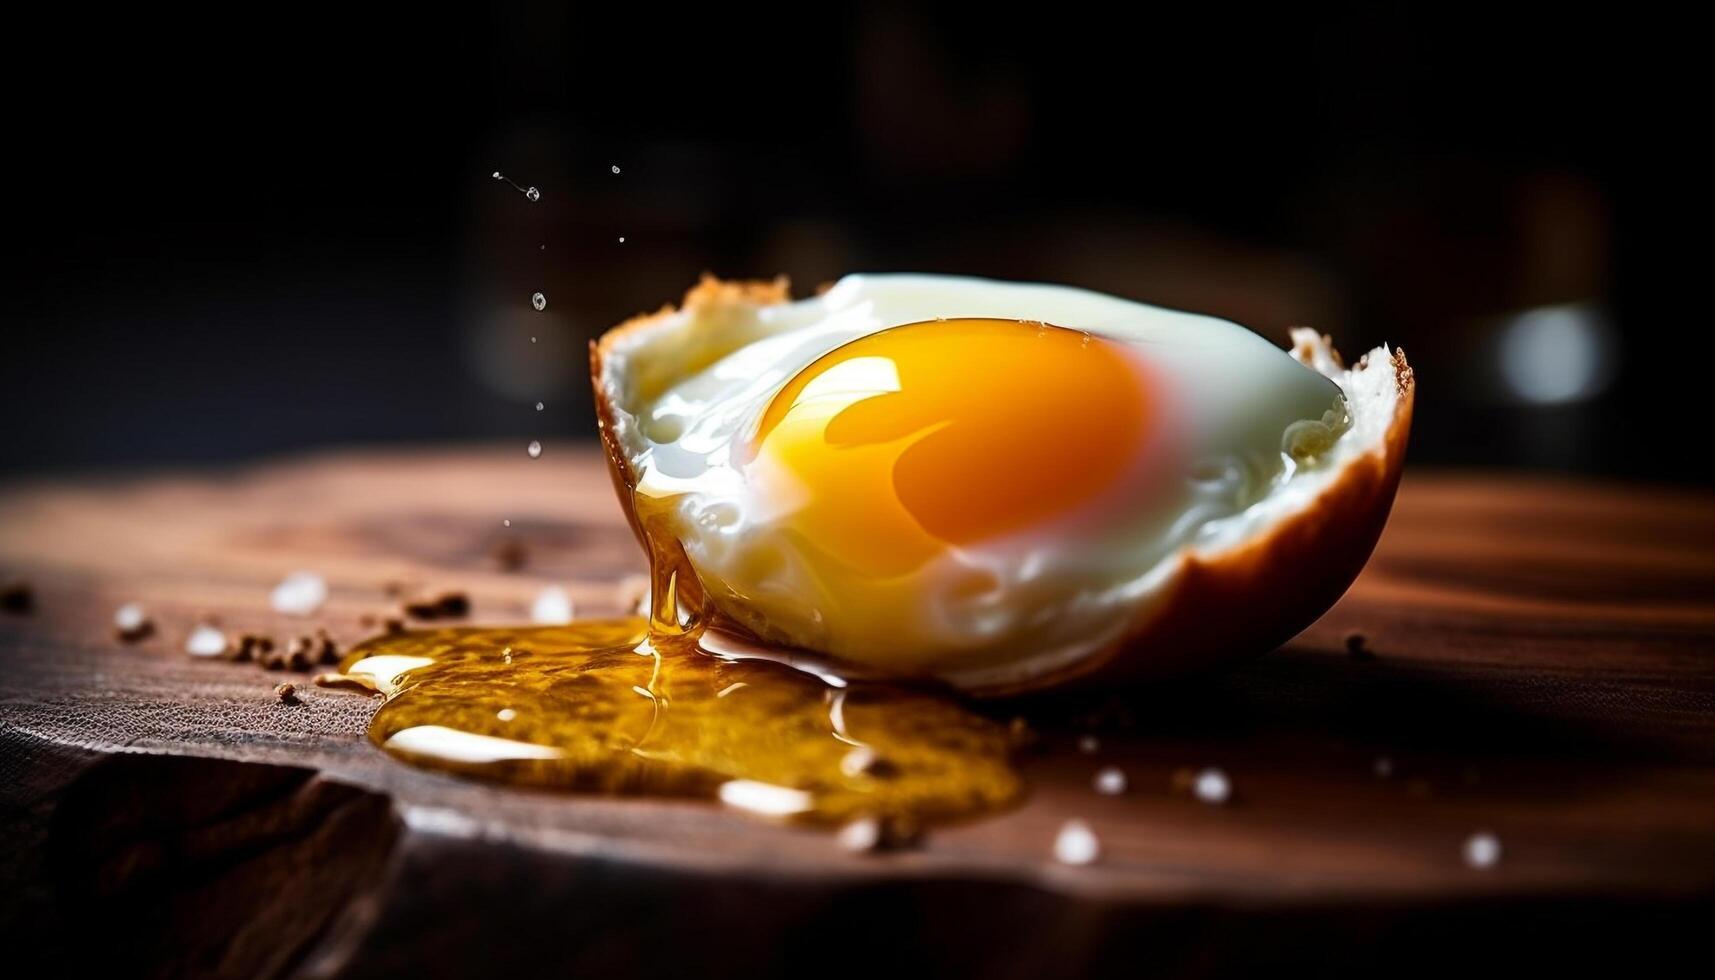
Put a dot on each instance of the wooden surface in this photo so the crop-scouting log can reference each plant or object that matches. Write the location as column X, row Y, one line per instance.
column 1543, row 670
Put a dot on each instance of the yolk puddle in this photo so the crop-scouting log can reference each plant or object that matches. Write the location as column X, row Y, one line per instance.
column 679, row 704
column 603, row 706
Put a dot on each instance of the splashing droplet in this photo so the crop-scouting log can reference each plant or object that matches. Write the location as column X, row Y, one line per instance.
column 540, row 406
column 531, row 193
column 539, row 301
column 616, row 168
column 534, row 449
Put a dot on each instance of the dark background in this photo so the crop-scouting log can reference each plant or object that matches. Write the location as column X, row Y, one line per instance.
column 241, row 232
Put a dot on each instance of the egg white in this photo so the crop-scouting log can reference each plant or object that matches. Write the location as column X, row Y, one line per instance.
column 687, row 394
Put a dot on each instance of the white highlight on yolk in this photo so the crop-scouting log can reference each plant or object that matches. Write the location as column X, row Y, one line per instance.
column 384, row 670
column 766, row 799
column 458, row 746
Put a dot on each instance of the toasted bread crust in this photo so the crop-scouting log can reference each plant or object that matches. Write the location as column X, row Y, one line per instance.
column 1238, row 603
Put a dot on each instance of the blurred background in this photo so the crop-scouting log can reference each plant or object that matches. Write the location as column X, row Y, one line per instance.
column 234, row 235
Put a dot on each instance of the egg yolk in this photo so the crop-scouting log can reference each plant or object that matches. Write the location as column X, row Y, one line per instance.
column 899, row 445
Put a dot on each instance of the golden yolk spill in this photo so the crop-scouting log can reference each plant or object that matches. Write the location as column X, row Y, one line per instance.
column 945, row 433
column 601, row 706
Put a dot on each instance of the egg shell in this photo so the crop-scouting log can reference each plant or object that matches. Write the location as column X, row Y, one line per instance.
column 1237, row 602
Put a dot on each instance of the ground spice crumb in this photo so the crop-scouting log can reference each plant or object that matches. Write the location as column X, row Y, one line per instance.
column 510, row 554
column 327, row 652
column 287, row 693
column 253, row 646
column 273, row 660
column 420, row 610
column 447, row 605
column 301, row 653
column 393, row 624
column 1357, row 646
column 1182, row 780
column 1019, row 732
column 16, row 596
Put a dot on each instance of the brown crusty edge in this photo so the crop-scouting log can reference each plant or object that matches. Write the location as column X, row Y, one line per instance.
column 1241, row 602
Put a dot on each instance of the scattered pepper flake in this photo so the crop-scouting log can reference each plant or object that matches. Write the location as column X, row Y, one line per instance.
column 16, row 596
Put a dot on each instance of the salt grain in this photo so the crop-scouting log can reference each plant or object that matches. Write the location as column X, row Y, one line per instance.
column 131, row 623
column 129, row 617
column 1110, row 781
column 1076, row 843
column 1482, row 850
column 1213, row 787
column 299, row 594
column 205, row 641
column 861, row 835
column 553, row 607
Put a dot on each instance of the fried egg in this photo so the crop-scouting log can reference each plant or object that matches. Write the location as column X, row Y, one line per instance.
column 1001, row 485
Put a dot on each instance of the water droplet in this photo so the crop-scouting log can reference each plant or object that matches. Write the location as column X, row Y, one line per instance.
column 532, row 340
column 534, row 449
column 533, row 194
column 539, row 301
column 540, row 406
column 616, row 168
column 543, row 247
column 499, row 176
column 622, row 239
column 506, row 522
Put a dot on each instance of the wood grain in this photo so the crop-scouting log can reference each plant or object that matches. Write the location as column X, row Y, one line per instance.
column 1543, row 669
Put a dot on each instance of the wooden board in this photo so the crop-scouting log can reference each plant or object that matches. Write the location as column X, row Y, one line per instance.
column 1543, row 671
